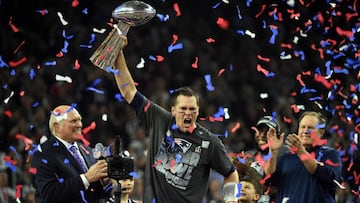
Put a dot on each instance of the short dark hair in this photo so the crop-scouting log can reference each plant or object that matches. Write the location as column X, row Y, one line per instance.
column 257, row 186
column 185, row 91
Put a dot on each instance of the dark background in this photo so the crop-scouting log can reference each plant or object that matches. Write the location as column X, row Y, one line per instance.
column 313, row 34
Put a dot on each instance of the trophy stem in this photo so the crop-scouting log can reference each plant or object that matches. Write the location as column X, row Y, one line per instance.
column 105, row 54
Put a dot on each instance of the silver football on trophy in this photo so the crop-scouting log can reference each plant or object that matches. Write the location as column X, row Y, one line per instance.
column 130, row 13
column 134, row 13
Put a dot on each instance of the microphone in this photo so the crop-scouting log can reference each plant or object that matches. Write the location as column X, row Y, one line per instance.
column 117, row 145
column 98, row 151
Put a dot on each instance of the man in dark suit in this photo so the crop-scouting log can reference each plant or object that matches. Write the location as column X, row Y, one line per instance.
column 59, row 176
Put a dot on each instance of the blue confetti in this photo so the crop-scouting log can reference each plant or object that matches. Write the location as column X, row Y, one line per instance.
column 85, row 11
column 174, row 127
column 83, row 196
column 109, row 69
column 61, row 180
column 220, row 112
column 238, row 11
column 153, row 58
column 119, row 97
column 274, row 34
column 209, row 85
column 66, row 45
column 66, row 37
column 163, row 18
column 66, row 161
column 216, row 5
column 300, row 53
column 32, row 74
column 241, row 160
column 305, row 90
column 240, row 32
column 248, row 2
column 92, row 38
column 56, row 144
column 134, row 174
column 44, row 161
column 12, row 148
column 12, row 72
column 178, row 158
column 85, row 46
column 171, row 141
column 50, row 63
column 95, row 90
column 320, row 156
column 35, row 104
column 171, row 48
column 9, row 165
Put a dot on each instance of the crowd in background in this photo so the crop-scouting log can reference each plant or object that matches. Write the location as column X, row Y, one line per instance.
column 246, row 59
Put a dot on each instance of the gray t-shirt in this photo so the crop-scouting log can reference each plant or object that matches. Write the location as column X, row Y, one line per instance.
column 178, row 164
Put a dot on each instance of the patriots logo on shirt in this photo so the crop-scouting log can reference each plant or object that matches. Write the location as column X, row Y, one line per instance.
column 181, row 145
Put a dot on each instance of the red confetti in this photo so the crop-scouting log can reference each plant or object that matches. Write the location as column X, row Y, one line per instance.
column 210, row 40
column 32, row 170
column 17, row 48
column 177, row 9
column 356, row 177
column 76, row 65
column 83, row 139
column 195, row 64
column 59, row 55
column 75, row 3
column 262, row 70
column 159, row 58
column 236, row 127
column 263, row 58
column 22, row 93
column 146, row 107
column 16, row 63
column 221, row 72
column 26, row 140
column 13, row 27
column 344, row 33
column 18, row 191
column 8, row 113
column 157, row 163
column 223, row 23
column 307, row 156
column 322, row 80
column 92, row 126
column 175, row 39
column 298, row 78
column 295, row 108
column 330, row 163
column 261, row 11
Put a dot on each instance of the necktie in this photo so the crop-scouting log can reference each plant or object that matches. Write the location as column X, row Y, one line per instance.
column 76, row 155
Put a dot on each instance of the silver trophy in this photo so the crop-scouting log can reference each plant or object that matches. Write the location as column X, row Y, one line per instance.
column 130, row 13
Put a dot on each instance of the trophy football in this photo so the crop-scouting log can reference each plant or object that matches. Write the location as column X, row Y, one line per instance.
column 130, row 13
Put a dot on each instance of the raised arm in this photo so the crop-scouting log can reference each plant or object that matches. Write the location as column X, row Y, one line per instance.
column 123, row 78
column 274, row 146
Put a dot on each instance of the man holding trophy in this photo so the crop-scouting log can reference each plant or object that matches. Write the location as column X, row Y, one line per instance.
column 181, row 152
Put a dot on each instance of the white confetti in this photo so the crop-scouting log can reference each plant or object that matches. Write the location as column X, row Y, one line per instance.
column 226, row 111
column 141, row 64
column 63, row 78
column 251, row 34
column 8, row 98
column 63, row 21
column 101, row 31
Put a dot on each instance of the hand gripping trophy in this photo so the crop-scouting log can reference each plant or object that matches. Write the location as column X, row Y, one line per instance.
column 130, row 13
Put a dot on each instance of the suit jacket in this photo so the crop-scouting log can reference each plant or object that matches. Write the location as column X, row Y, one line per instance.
column 57, row 177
